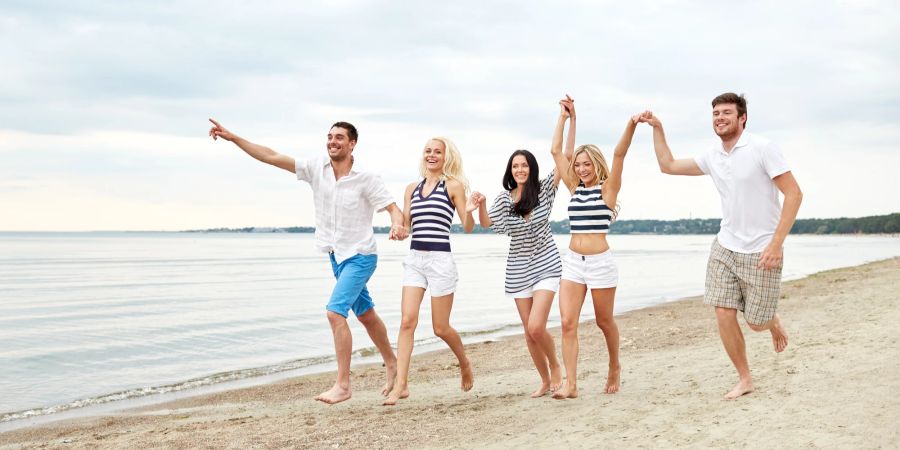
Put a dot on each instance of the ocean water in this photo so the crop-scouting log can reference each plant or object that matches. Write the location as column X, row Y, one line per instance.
column 90, row 318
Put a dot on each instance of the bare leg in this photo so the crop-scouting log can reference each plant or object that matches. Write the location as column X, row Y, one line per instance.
column 537, row 328
column 571, row 299
column 343, row 344
column 440, row 320
column 733, row 340
column 524, row 306
column 378, row 334
column 779, row 334
column 603, row 312
column 409, row 307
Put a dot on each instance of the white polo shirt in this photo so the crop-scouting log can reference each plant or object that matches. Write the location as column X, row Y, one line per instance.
column 751, row 207
column 344, row 208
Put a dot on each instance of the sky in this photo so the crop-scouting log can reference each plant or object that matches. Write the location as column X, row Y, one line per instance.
column 104, row 105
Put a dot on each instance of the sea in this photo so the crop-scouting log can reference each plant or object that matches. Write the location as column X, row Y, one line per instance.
column 111, row 318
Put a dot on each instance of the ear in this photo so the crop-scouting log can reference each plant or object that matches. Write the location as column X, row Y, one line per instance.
column 743, row 120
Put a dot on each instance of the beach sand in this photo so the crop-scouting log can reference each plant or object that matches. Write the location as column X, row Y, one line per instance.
column 836, row 386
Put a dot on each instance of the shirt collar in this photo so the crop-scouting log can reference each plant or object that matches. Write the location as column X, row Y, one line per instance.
column 743, row 141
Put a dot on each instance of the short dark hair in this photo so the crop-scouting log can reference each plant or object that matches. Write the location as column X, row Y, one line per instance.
column 530, row 195
column 351, row 130
column 738, row 100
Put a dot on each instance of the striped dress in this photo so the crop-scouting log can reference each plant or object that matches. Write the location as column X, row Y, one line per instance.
column 588, row 213
column 431, row 217
column 532, row 251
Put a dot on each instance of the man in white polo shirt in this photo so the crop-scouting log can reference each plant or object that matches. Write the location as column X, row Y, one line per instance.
column 345, row 201
column 744, row 267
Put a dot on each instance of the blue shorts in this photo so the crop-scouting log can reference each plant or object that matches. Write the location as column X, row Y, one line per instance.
column 350, row 290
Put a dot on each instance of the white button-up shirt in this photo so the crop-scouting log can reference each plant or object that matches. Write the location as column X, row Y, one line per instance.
column 750, row 199
column 344, row 208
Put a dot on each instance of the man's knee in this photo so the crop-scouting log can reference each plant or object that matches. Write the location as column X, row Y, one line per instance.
column 368, row 318
column 761, row 327
column 726, row 314
column 336, row 319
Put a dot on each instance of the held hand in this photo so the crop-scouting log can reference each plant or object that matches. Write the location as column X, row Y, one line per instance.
column 648, row 118
column 567, row 107
column 398, row 233
column 771, row 257
column 478, row 198
column 472, row 203
column 218, row 131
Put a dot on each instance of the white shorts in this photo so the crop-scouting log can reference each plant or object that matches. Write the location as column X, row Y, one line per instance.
column 435, row 271
column 547, row 284
column 594, row 271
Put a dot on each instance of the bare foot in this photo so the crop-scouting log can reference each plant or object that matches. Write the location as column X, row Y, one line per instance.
column 468, row 379
column 743, row 387
column 612, row 380
column 555, row 378
column 779, row 335
column 391, row 373
column 566, row 392
column 542, row 391
column 395, row 395
column 334, row 395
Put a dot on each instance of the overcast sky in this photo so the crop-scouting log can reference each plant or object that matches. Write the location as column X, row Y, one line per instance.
column 103, row 105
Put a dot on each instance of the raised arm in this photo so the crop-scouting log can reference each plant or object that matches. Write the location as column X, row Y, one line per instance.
column 613, row 184
column 668, row 164
column 566, row 113
column 774, row 252
column 260, row 152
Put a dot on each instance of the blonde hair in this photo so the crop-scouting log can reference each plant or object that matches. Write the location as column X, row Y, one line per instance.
column 601, row 169
column 453, row 165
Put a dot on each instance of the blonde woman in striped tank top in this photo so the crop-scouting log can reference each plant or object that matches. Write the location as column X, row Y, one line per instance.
column 588, row 266
column 428, row 213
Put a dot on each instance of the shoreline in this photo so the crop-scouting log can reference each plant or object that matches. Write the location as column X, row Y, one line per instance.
column 654, row 341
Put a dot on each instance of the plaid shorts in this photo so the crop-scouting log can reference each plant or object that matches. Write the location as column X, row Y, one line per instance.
column 733, row 281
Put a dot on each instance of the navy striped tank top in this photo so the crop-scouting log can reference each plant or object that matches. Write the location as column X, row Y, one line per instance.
column 588, row 213
column 431, row 218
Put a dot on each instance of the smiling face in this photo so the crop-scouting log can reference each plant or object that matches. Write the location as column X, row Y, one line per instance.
column 726, row 122
column 434, row 156
column 585, row 169
column 339, row 144
column 520, row 169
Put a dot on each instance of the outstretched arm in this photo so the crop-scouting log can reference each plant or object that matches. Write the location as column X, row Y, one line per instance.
column 260, row 152
column 668, row 164
column 484, row 219
column 774, row 252
column 566, row 113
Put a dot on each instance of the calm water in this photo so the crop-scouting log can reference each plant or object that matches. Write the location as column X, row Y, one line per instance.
column 88, row 318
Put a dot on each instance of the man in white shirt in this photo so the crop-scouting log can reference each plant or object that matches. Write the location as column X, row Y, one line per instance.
column 744, row 267
column 345, row 201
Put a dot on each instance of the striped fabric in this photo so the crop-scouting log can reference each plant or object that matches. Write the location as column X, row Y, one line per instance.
column 532, row 251
column 588, row 213
column 431, row 216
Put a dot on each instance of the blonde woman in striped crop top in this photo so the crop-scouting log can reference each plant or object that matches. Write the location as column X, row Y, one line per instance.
column 428, row 212
column 588, row 265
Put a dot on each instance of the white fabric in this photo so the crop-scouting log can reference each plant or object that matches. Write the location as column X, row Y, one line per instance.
column 750, row 200
column 594, row 271
column 547, row 284
column 344, row 208
column 435, row 271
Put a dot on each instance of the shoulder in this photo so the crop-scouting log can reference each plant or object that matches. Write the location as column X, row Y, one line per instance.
column 454, row 186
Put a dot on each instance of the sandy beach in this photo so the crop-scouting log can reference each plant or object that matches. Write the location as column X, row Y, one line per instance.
column 836, row 386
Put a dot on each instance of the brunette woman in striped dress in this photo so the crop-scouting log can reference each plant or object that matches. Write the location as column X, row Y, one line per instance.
column 533, row 267
column 429, row 207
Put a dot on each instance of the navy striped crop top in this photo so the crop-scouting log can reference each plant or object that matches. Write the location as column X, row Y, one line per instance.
column 588, row 213
column 431, row 218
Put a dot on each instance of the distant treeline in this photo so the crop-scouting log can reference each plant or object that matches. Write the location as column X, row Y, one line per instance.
column 886, row 224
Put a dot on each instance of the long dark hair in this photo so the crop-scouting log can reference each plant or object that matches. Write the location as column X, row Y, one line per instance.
column 530, row 195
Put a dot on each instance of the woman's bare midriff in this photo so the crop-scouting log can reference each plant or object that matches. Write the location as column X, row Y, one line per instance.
column 588, row 243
